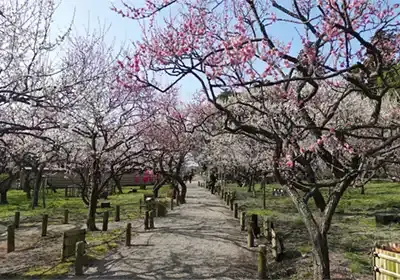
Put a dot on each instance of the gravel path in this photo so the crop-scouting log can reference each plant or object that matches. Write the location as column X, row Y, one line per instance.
column 197, row 240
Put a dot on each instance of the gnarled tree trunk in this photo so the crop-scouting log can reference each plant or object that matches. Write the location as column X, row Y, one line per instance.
column 36, row 187
column 183, row 189
column 320, row 253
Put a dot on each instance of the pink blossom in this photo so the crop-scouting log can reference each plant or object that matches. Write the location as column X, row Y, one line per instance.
column 289, row 163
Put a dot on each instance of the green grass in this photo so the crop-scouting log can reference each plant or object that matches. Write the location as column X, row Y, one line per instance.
column 353, row 231
column 99, row 243
column 56, row 203
column 46, row 272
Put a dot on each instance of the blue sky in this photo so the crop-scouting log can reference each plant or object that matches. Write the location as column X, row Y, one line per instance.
column 92, row 12
column 122, row 30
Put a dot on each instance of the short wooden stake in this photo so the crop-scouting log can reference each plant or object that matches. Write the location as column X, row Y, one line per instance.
column 231, row 203
column 268, row 226
column 262, row 262
column 79, row 258
column 106, row 214
column 128, row 234
column 45, row 221
column 66, row 214
column 250, row 235
column 276, row 245
column 172, row 203
column 140, row 206
column 117, row 213
column 177, row 199
column 198, row 183
column 151, row 219
column 10, row 238
column 228, row 198
column 16, row 219
column 146, row 220
column 235, row 210
column 243, row 221
column 256, row 229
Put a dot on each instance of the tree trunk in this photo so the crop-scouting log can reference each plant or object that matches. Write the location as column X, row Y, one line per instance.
column 27, row 186
column 94, row 194
column 319, row 200
column 158, row 186
column 249, row 183
column 36, row 187
column 321, row 257
column 117, row 181
column 91, row 218
column 183, row 190
column 3, row 197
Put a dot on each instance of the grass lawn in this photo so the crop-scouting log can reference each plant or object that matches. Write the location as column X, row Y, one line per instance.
column 353, row 231
column 56, row 203
column 99, row 243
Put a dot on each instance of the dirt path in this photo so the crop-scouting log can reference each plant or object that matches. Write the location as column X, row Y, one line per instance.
column 198, row 240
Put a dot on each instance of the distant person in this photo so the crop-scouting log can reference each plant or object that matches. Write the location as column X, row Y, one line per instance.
column 191, row 175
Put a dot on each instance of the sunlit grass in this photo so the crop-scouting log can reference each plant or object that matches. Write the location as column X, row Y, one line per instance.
column 353, row 232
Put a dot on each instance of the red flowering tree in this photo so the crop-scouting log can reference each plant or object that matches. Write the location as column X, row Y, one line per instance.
column 316, row 100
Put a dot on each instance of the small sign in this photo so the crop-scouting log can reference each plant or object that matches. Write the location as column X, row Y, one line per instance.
column 70, row 238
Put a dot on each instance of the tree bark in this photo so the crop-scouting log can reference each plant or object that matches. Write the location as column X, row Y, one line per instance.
column 94, row 194
column 158, row 186
column 91, row 218
column 27, row 186
column 36, row 187
column 321, row 257
column 117, row 181
column 4, row 188
column 3, row 197
column 183, row 190
column 319, row 200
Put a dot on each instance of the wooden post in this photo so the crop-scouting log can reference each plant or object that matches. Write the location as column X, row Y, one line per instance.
column 66, row 213
column 254, row 219
column 10, row 238
column 151, row 219
column 177, row 200
column 79, row 258
column 106, row 214
column 268, row 226
column 228, row 198
column 262, row 262
column 45, row 221
column 66, row 191
column 16, row 219
column 231, row 203
column 242, row 221
column 146, row 220
column 276, row 245
column 117, row 212
column 235, row 210
column 128, row 234
column 140, row 206
column 172, row 203
column 250, row 235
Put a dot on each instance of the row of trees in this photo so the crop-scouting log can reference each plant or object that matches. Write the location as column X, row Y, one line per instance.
column 64, row 106
column 320, row 106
